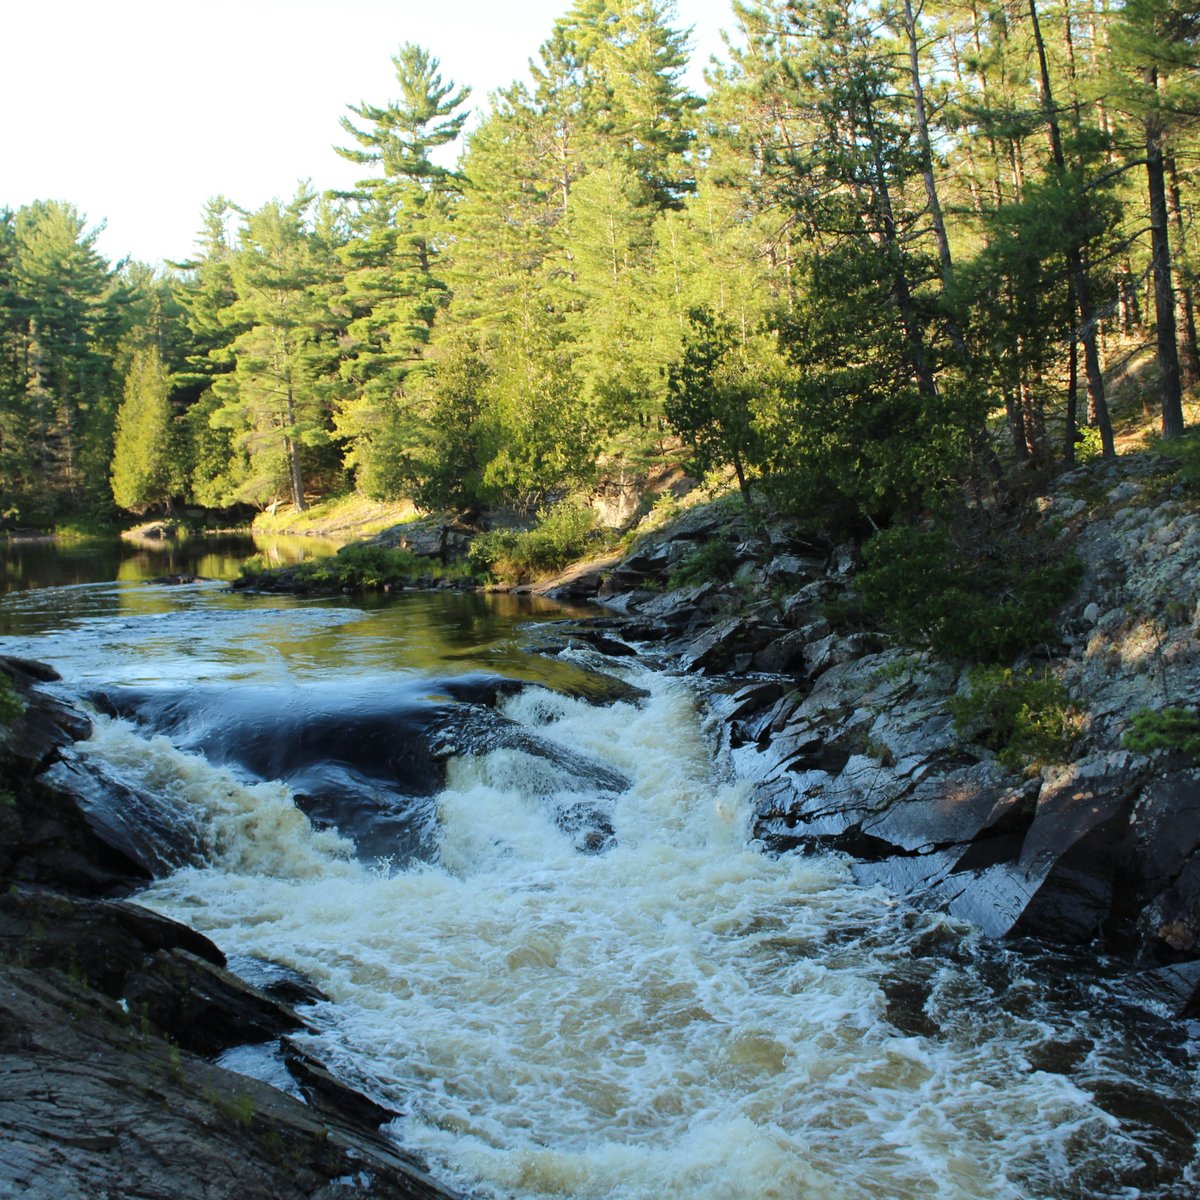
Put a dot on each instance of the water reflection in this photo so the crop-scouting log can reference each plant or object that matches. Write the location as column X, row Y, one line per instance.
column 100, row 613
column 27, row 563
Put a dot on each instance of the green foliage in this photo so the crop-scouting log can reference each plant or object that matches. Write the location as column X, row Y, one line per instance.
column 1164, row 729
column 1024, row 717
column 858, row 434
column 11, row 705
column 715, row 390
column 562, row 535
column 365, row 568
column 276, row 401
column 845, row 350
column 983, row 598
column 1088, row 446
column 449, row 467
column 360, row 568
column 710, row 562
column 144, row 469
column 1186, row 451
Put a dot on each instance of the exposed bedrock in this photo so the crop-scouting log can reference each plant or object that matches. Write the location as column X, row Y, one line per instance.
column 110, row 1015
column 364, row 757
column 849, row 744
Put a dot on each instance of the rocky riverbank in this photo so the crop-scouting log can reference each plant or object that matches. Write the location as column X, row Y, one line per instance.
column 849, row 740
column 114, row 1020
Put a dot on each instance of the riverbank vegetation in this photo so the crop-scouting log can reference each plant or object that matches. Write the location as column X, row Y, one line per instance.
column 894, row 258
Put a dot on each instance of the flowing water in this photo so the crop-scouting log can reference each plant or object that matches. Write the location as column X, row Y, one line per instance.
column 572, row 974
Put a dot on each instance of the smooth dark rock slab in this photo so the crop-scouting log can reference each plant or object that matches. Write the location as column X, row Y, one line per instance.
column 92, row 1105
column 101, row 941
column 203, row 1007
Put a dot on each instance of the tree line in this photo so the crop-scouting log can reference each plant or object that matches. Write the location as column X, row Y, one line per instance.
column 898, row 249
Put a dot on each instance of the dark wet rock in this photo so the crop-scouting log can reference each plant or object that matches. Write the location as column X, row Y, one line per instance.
column 610, row 646
column 144, row 832
column 754, row 698
column 1173, row 990
column 952, row 809
column 201, row 1006
column 273, row 979
column 784, row 653
column 165, row 972
column 588, row 823
column 713, row 649
column 37, row 737
column 46, row 835
column 330, row 1095
column 23, row 671
column 103, row 942
column 92, row 1104
column 678, row 608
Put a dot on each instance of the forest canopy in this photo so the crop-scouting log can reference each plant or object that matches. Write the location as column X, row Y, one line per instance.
column 893, row 252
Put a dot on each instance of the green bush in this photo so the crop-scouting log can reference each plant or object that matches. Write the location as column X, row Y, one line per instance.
column 369, row 567
column 1088, row 446
column 11, row 705
column 1164, row 729
column 1021, row 715
column 1187, row 450
column 980, row 599
column 561, row 536
column 713, row 562
column 361, row 568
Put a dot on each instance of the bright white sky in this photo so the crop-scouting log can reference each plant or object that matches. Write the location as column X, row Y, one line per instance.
column 137, row 111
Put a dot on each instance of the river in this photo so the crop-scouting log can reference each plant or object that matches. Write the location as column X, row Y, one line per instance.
column 563, row 962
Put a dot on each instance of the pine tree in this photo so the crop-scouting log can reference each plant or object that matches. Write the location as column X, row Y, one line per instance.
column 142, row 467
column 392, row 281
column 1156, row 45
column 273, row 401
column 66, row 314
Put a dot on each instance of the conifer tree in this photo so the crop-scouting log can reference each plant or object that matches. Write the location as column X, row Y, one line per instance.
column 273, row 401
column 392, row 283
column 143, row 473
column 1156, row 45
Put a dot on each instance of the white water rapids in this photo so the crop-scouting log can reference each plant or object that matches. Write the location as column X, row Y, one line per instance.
column 679, row 1016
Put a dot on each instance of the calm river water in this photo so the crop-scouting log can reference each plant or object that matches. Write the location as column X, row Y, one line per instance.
column 676, row 1015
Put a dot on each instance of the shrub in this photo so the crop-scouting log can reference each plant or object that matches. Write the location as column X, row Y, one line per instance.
column 369, row 567
column 1187, row 450
column 11, row 705
column 1164, row 729
column 360, row 568
column 983, row 600
column 561, row 535
column 1021, row 715
column 712, row 561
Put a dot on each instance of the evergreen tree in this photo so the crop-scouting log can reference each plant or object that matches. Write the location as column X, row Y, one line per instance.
column 205, row 294
column 143, row 466
column 273, row 401
column 392, row 282
column 1157, row 44
column 65, row 314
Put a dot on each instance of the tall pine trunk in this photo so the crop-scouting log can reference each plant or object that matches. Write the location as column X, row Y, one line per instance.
column 1170, row 393
column 1076, row 271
